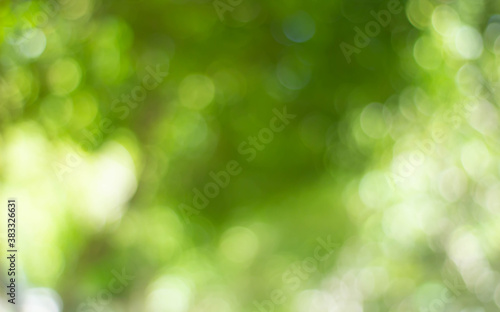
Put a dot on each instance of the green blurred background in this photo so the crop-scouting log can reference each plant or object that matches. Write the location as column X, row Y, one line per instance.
column 393, row 156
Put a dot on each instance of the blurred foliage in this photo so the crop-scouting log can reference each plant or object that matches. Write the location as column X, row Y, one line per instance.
column 393, row 155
